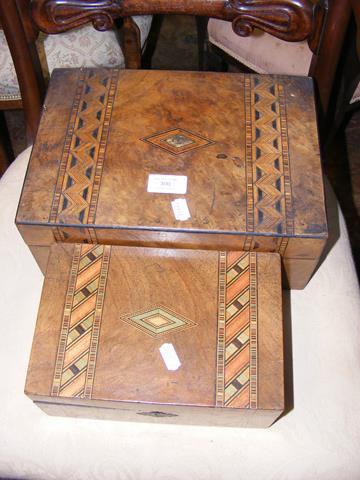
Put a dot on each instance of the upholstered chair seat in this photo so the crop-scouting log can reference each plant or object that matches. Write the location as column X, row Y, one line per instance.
column 264, row 53
column 82, row 47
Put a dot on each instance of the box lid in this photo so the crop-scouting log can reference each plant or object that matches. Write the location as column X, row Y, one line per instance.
column 247, row 145
column 144, row 329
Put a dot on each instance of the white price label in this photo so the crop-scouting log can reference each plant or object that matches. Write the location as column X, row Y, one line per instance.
column 180, row 209
column 167, row 183
column 169, row 356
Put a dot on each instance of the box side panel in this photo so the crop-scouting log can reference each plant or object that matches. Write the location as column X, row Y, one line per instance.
column 304, row 248
column 301, row 255
column 37, row 235
column 41, row 255
column 174, row 414
column 297, row 272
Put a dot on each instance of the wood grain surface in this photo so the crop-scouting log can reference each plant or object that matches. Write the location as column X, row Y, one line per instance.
column 250, row 153
column 97, row 341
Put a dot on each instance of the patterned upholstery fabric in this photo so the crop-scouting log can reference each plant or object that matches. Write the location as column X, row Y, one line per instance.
column 83, row 47
column 262, row 52
column 9, row 88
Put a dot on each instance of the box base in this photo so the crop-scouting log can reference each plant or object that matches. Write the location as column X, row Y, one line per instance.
column 162, row 414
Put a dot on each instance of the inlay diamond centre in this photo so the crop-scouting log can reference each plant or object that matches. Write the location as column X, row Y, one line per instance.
column 177, row 141
column 157, row 321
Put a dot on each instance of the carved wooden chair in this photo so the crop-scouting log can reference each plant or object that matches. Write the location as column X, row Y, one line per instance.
column 317, row 57
column 26, row 57
column 315, row 31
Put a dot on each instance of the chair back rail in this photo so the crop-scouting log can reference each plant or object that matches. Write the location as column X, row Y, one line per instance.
column 323, row 25
column 289, row 20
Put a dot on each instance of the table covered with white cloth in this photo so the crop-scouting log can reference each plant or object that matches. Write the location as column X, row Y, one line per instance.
column 317, row 438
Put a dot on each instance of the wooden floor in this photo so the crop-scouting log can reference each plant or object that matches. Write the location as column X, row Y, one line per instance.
column 176, row 49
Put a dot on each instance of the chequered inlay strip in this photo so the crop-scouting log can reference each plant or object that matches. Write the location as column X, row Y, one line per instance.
column 236, row 384
column 79, row 337
column 177, row 141
column 79, row 176
column 158, row 320
column 269, row 196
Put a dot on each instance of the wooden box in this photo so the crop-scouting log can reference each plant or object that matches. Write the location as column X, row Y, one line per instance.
column 247, row 145
column 99, row 351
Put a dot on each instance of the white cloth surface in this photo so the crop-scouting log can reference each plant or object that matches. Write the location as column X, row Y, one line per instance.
column 318, row 439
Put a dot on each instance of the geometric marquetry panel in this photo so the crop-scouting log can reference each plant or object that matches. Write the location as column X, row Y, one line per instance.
column 80, row 170
column 157, row 321
column 177, row 141
column 237, row 331
column 79, row 337
column 269, row 196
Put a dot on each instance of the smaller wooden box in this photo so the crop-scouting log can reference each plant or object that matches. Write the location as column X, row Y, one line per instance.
column 177, row 336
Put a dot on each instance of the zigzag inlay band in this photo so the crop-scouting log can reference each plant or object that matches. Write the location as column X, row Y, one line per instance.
column 268, row 183
column 80, row 170
column 236, row 379
column 79, row 335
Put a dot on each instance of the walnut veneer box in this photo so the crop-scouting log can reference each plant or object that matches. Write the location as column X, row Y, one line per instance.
column 247, row 144
column 154, row 334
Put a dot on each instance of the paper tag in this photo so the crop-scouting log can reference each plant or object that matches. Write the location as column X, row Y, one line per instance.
column 167, row 183
column 180, row 209
column 169, row 356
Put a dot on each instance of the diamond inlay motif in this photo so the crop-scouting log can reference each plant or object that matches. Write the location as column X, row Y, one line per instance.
column 178, row 141
column 157, row 321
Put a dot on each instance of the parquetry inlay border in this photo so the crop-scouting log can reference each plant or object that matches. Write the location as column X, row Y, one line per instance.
column 79, row 336
column 236, row 379
column 268, row 183
column 80, row 170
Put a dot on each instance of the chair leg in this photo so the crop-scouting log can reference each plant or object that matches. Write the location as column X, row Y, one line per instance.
column 130, row 41
column 6, row 153
column 151, row 41
column 347, row 81
column 201, row 27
